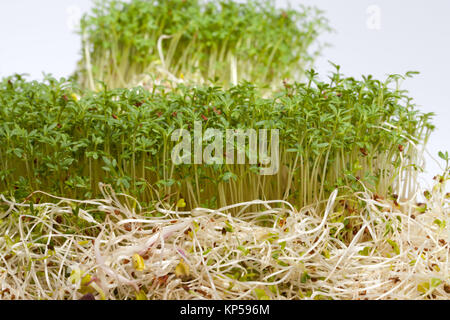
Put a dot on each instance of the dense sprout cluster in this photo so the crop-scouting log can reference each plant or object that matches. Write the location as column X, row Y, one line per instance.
column 340, row 218
column 219, row 41
column 332, row 134
column 396, row 250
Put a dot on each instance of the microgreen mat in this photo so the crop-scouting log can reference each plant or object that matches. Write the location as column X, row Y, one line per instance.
column 333, row 134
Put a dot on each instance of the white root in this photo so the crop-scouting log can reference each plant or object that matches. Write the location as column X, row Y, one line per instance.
column 295, row 254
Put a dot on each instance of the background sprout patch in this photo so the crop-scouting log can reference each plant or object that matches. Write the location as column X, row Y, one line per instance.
column 219, row 41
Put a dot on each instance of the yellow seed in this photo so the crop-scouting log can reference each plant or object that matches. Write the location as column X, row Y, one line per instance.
column 182, row 270
column 86, row 279
column 181, row 203
column 423, row 287
column 138, row 262
column 141, row 295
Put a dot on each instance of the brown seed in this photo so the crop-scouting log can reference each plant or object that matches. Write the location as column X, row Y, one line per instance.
column 363, row 151
column 395, row 279
column 202, row 292
column 447, row 288
column 376, row 197
column 162, row 280
column 186, row 287
column 401, row 148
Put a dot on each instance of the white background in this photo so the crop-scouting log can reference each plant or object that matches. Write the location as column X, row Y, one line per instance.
column 37, row 36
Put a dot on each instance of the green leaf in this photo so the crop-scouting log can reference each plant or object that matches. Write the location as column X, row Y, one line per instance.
column 440, row 223
column 305, row 277
column 365, row 251
column 228, row 176
column 261, row 294
column 244, row 250
column 394, row 246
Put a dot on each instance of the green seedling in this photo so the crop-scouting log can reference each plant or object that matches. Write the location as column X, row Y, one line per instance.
column 335, row 134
